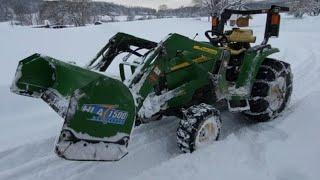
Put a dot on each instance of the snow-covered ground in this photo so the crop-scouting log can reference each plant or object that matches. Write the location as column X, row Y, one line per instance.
column 287, row 148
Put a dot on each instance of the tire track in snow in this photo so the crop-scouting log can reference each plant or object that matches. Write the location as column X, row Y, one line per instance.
column 41, row 162
column 151, row 144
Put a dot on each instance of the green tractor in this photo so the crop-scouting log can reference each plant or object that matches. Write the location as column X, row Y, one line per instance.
column 176, row 77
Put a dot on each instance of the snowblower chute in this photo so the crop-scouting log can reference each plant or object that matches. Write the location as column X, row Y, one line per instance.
column 99, row 111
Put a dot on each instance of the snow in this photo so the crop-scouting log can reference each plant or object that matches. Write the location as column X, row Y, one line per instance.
column 283, row 149
column 83, row 150
column 18, row 75
column 56, row 101
column 286, row 148
column 154, row 104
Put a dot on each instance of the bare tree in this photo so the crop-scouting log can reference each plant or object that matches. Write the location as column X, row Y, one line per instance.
column 5, row 13
column 163, row 7
column 298, row 8
column 22, row 14
column 61, row 14
column 197, row 3
column 79, row 11
column 131, row 16
column 314, row 9
column 217, row 6
column 301, row 7
column 65, row 12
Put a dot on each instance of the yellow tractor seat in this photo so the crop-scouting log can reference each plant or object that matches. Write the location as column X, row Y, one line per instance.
column 242, row 36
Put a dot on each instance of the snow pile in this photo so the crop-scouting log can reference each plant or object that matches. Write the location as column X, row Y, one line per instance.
column 286, row 148
column 154, row 104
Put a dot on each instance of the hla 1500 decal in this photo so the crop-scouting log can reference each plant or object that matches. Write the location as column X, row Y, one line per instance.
column 105, row 113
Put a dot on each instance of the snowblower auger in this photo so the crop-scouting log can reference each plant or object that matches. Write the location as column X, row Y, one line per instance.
column 177, row 76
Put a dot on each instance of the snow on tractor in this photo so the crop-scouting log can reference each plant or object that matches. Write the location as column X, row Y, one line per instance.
column 177, row 77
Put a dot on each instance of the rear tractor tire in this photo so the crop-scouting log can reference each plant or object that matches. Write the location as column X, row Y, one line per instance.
column 200, row 126
column 271, row 91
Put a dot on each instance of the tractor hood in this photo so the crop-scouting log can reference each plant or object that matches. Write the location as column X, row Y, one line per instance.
column 98, row 111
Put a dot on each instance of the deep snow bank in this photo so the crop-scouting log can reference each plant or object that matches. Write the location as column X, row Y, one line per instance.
column 287, row 148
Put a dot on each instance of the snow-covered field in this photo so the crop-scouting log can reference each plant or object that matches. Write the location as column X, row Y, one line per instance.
column 287, row 148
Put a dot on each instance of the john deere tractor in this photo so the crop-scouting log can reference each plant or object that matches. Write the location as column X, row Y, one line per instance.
column 177, row 77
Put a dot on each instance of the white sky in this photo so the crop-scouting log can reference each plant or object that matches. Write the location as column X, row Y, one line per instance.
column 152, row 3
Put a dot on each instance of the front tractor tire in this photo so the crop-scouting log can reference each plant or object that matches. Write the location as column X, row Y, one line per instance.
column 200, row 126
column 271, row 91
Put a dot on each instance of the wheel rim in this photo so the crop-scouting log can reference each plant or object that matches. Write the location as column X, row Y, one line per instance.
column 207, row 133
column 277, row 93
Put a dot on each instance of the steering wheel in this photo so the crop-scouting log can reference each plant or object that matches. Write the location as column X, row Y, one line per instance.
column 216, row 38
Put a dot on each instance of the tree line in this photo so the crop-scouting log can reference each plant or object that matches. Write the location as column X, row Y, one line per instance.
column 302, row 7
column 64, row 12
column 82, row 12
column 298, row 8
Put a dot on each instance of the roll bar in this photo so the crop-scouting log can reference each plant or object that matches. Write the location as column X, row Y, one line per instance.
column 272, row 29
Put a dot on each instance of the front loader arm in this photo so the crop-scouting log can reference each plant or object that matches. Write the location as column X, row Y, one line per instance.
column 118, row 44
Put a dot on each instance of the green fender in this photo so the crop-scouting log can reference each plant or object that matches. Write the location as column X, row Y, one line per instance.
column 249, row 69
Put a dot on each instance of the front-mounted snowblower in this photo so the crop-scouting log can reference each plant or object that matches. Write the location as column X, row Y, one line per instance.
column 177, row 77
